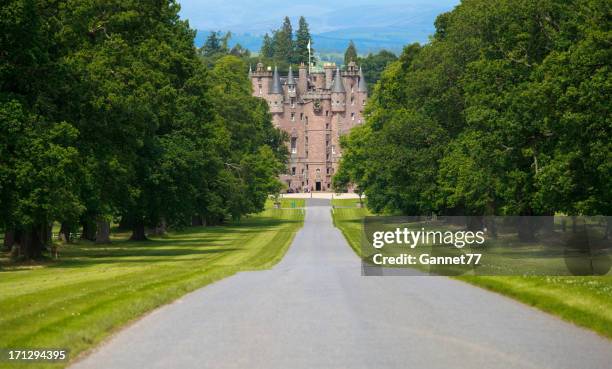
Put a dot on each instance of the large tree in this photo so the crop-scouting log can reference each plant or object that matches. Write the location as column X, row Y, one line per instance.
column 350, row 55
column 303, row 39
column 283, row 42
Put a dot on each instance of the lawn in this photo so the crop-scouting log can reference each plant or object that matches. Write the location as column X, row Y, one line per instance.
column 585, row 301
column 92, row 290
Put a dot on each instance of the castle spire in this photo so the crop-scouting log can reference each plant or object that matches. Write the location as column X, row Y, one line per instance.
column 276, row 83
column 250, row 71
column 290, row 80
column 362, row 87
column 338, row 86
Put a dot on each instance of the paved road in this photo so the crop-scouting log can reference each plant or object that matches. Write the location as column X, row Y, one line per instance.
column 315, row 310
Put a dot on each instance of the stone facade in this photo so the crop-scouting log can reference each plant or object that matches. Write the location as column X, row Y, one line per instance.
column 315, row 109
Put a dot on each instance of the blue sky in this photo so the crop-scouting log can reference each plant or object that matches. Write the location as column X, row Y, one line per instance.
column 260, row 15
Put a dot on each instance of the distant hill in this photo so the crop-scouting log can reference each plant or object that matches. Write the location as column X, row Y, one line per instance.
column 384, row 24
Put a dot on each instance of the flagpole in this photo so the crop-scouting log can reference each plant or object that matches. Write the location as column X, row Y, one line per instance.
column 309, row 63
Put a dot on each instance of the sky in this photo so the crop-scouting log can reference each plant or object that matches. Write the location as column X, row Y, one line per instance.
column 390, row 22
column 255, row 15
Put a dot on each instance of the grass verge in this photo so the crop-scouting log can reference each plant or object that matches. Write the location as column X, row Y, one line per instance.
column 92, row 290
column 585, row 301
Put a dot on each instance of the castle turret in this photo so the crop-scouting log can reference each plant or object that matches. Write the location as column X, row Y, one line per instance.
column 329, row 74
column 276, row 93
column 362, row 89
column 338, row 93
column 291, row 84
column 362, row 86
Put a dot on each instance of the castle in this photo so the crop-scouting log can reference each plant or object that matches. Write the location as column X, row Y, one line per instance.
column 315, row 109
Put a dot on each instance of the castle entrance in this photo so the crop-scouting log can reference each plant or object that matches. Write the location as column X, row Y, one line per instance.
column 318, row 186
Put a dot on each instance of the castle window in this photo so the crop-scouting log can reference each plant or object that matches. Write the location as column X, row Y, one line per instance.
column 364, row 102
column 294, row 145
column 326, row 125
column 293, row 117
column 328, row 171
column 334, row 149
column 352, row 116
column 353, row 88
column 352, row 100
column 327, row 113
column 292, row 102
column 301, row 116
column 292, row 171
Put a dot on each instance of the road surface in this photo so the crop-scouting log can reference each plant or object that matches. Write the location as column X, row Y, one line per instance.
column 315, row 310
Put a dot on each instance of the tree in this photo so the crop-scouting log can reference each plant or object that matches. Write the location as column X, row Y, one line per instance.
column 216, row 44
column 351, row 53
column 38, row 160
column 374, row 64
column 283, row 42
column 301, row 44
column 512, row 99
column 267, row 47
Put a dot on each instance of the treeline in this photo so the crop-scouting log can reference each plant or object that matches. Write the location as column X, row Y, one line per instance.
column 108, row 114
column 506, row 111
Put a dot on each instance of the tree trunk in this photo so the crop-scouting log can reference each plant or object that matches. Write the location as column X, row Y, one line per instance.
column 9, row 239
column 47, row 235
column 89, row 231
column 31, row 246
column 103, row 231
column 124, row 223
column 64, row 233
column 138, row 232
column 197, row 221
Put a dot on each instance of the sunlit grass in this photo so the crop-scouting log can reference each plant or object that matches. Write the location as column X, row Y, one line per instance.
column 78, row 300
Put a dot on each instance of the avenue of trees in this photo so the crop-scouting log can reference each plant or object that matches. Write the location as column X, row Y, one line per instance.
column 506, row 111
column 107, row 113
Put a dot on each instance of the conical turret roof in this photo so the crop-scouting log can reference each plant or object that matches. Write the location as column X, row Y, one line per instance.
column 290, row 80
column 362, row 87
column 276, row 83
column 338, row 86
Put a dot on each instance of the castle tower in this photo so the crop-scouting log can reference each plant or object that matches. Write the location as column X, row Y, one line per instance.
column 338, row 93
column 329, row 74
column 362, row 89
column 291, row 84
column 276, row 93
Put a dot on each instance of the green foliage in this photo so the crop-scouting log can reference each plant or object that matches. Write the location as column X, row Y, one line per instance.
column 511, row 99
column 350, row 55
column 283, row 48
column 374, row 64
column 283, row 42
column 108, row 111
column 301, row 43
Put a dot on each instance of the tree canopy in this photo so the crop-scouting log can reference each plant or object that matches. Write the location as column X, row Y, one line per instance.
column 505, row 111
column 108, row 113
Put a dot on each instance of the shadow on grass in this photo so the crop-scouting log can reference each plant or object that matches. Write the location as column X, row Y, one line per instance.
column 196, row 241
